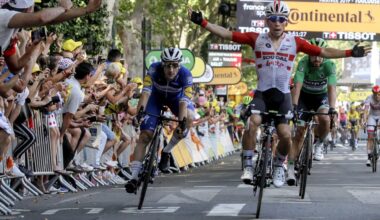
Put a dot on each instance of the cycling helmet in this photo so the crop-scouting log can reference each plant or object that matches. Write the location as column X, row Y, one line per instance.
column 246, row 100
column 171, row 54
column 318, row 42
column 277, row 7
column 376, row 89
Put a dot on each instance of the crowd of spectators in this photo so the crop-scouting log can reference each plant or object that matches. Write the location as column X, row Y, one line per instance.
column 75, row 95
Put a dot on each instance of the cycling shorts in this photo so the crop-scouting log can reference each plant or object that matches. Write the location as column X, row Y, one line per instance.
column 312, row 102
column 154, row 107
column 273, row 99
column 372, row 122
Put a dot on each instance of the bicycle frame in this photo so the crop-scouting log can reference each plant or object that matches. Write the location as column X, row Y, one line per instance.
column 150, row 160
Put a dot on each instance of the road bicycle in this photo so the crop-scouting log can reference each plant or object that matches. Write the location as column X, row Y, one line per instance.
column 304, row 160
column 375, row 151
column 150, row 163
column 262, row 174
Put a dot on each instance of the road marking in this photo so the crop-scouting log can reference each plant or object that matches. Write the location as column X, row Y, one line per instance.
column 244, row 186
column 150, row 210
column 191, row 196
column 366, row 196
column 209, row 186
column 285, row 195
column 173, row 199
column 94, row 210
column 226, row 210
column 54, row 211
column 77, row 197
column 204, row 195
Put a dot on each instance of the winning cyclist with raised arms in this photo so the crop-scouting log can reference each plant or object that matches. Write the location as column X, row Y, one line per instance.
column 275, row 53
column 167, row 83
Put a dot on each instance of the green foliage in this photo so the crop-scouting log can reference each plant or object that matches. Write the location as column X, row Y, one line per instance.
column 91, row 29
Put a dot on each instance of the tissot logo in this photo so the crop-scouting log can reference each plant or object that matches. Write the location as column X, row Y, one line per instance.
column 315, row 15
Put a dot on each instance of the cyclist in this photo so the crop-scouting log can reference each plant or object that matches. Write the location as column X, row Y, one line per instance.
column 241, row 109
column 167, row 83
column 275, row 54
column 354, row 118
column 343, row 125
column 372, row 112
column 315, row 90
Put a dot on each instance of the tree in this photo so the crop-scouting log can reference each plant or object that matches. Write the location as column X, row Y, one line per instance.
column 90, row 29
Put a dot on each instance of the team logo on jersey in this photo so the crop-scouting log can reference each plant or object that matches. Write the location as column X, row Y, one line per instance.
column 322, row 75
column 268, row 45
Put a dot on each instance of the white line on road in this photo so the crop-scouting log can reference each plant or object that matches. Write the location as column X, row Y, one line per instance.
column 94, row 210
column 226, row 210
column 150, row 210
column 77, row 197
column 53, row 211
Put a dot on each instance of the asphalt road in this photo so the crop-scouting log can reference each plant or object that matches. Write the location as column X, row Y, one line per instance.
column 340, row 187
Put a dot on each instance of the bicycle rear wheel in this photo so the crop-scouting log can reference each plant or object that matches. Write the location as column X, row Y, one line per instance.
column 262, row 182
column 148, row 168
column 305, row 166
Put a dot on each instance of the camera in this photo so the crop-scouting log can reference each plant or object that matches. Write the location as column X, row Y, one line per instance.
column 39, row 34
column 92, row 118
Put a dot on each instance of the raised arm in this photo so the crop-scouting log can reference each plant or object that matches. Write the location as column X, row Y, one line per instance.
column 197, row 18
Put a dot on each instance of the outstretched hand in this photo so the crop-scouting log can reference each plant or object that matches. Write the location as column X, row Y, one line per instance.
column 361, row 51
column 194, row 16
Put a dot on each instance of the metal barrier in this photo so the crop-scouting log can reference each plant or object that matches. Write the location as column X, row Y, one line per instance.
column 39, row 156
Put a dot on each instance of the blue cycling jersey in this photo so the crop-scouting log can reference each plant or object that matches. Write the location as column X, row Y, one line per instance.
column 180, row 88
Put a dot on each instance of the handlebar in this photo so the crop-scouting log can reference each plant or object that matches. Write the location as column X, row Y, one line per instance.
column 273, row 113
column 313, row 113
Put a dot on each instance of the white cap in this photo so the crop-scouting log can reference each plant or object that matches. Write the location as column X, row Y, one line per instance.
column 21, row 4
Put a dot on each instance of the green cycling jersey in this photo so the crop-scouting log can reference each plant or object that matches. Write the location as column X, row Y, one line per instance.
column 315, row 79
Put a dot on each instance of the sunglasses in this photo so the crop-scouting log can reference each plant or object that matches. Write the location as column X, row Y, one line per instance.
column 171, row 65
column 275, row 18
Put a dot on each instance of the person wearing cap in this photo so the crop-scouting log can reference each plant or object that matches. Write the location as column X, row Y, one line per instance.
column 71, row 48
column 274, row 72
column 18, row 14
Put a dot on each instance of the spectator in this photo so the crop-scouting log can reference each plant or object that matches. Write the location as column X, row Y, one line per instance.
column 76, row 135
column 18, row 14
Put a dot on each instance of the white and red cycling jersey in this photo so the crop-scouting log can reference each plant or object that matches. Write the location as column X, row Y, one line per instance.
column 274, row 68
column 374, row 112
column 373, row 106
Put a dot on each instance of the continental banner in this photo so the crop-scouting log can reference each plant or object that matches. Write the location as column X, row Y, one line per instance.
column 328, row 19
column 333, row 17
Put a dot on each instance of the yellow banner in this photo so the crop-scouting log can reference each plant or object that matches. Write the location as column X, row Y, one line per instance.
column 358, row 96
column 225, row 76
column 238, row 89
column 343, row 97
column 333, row 17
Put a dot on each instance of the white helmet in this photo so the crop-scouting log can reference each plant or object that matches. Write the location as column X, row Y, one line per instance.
column 277, row 7
column 171, row 54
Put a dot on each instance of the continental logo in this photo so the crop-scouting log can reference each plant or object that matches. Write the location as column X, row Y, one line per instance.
column 227, row 75
column 297, row 16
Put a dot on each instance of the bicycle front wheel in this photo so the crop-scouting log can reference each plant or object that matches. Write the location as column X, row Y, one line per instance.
column 263, row 175
column 305, row 166
column 147, row 173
